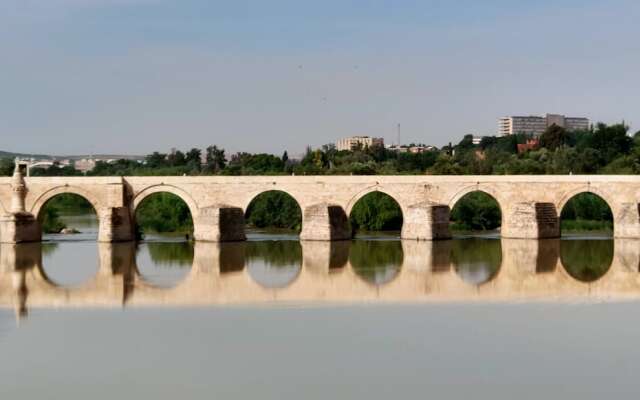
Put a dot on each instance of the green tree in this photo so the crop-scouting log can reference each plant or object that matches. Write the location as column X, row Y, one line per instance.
column 6, row 167
column 274, row 209
column 216, row 160
column 376, row 211
column 156, row 160
column 553, row 137
column 476, row 211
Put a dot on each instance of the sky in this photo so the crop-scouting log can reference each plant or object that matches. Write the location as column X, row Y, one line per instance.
column 136, row 76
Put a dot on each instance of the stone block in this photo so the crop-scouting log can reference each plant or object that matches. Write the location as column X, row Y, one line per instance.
column 19, row 227
column 627, row 223
column 219, row 223
column 531, row 220
column 115, row 225
column 426, row 221
column 325, row 222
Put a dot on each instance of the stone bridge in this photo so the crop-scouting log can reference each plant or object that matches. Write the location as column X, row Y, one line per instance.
column 530, row 270
column 530, row 205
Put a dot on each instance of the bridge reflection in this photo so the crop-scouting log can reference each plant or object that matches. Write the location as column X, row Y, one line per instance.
column 467, row 270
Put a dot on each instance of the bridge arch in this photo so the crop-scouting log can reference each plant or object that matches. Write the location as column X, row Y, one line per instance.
column 251, row 196
column 285, row 197
column 476, row 188
column 381, row 204
column 573, row 194
column 66, row 189
column 164, row 188
column 488, row 191
column 589, row 189
column 376, row 188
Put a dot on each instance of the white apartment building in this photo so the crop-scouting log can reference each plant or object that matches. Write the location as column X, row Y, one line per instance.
column 536, row 125
column 353, row 142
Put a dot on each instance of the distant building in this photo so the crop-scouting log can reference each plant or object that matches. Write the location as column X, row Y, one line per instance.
column 85, row 164
column 531, row 144
column 476, row 140
column 536, row 125
column 420, row 148
column 353, row 142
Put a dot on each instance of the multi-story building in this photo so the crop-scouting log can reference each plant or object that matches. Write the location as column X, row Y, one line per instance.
column 354, row 142
column 536, row 125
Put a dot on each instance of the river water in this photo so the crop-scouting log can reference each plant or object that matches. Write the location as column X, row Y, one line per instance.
column 274, row 318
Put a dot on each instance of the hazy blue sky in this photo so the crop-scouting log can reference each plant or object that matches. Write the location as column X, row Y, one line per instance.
column 134, row 76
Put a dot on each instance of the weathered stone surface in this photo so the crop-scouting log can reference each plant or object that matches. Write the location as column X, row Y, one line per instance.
column 531, row 220
column 325, row 222
column 530, row 204
column 426, row 221
column 19, row 228
column 115, row 225
column 220, row 223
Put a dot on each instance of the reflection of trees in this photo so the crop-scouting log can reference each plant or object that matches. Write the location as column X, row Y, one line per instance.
column 377, row 261
column 171, row 254
column 280, row 253
column 586, row 260
column 49, row 248
column 476, row 260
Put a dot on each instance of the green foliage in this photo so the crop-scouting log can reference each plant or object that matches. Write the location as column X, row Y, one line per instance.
column 554, row 137
column 216, row 160
column 476, row 259
column 586, row 212
column 274, row 209
column 171, row 254
column 49, row 219
column 49, row 216
column 70, row 202
column 376, row 211
column 280, row 253
column 255, row 164
column 586, row 260
column 376, row 261
column 164, row 212
column 56, row 170
column 6, row 167
column 476, row 211
column 586, row 206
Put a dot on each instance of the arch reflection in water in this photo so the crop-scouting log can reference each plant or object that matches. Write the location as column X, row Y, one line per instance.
column 163, row 263
column 273, row 264
column 476, row 260
column 61, row 265
column 376, row 261
column 586, row 260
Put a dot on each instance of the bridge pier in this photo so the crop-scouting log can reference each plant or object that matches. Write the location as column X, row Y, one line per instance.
column 426, row 221
column 531, row 220
column 323, row 257
column 219, row 223
column 19, row 226
column 115, row 225
column 626, row 222
column 325, row 222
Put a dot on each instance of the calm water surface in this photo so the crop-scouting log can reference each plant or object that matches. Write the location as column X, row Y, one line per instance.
column 274, row 318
